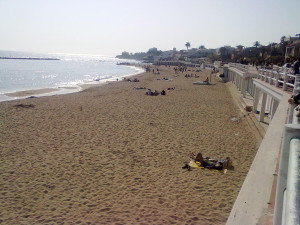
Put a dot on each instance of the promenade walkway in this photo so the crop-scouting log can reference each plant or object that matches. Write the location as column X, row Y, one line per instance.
column 266, row 180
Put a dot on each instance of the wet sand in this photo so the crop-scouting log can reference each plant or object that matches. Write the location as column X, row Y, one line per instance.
column 31, row 92
column 113, row 155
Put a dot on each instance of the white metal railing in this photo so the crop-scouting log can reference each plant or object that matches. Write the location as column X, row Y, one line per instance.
column 247, row 74
column 287, row 210
column 250, row 206
column 291, row 212
column 241, row 67
column 278, row 78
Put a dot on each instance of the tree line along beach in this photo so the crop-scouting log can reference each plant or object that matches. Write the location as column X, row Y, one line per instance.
column 113, row 155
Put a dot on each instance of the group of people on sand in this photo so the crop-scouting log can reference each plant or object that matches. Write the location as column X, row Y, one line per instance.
column 147, row 68
column 214, row 70
column 164, row 79
column 155, row 93
column 187, row 76
column 180, row 69
column 131, row 80
column 157, row 71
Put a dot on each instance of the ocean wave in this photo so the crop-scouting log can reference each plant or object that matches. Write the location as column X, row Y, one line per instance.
column 74, row 70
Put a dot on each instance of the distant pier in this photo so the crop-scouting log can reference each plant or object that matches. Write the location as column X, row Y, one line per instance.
column 34, row 58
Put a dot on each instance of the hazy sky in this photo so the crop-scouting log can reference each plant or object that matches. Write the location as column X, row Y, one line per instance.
column 112, row 26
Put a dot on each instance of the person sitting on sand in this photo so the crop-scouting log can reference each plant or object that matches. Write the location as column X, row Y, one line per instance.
column 148, row 92
column 155, row 93
column 206, row 80
column 163, row 92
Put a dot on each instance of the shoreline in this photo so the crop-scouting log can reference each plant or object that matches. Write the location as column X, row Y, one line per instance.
column 31, row 92
column 41, row 92
column 114, row 155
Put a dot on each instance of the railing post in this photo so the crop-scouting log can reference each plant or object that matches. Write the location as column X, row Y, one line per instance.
column 263, row 108
column 264, row 75
column 274, row 108
column 291, row 131
column 271, row 77
column 277, row 79
column 285, row 80
column 293, row 189
column 268, row 76
column 297, row 81
column 244, row 85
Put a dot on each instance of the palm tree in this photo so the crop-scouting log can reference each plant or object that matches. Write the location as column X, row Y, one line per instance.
column 283, row 44
column 187, row 45
column 282, row 39
column 256, row 44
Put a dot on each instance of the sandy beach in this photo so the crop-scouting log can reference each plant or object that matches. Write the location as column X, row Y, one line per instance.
column 113, row 155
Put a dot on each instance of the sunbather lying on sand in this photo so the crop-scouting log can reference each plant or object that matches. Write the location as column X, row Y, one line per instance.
column 210, row 163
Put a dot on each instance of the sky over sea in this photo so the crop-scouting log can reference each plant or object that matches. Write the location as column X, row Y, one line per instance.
column 111, row 27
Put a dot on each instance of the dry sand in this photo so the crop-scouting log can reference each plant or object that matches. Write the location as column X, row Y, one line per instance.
column 112, row 155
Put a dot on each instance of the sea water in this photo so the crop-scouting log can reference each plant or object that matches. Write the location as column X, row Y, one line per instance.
column 68, row 73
